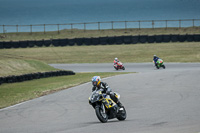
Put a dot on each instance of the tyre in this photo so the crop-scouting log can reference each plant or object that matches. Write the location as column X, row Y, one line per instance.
column 123, row 68
column 103, row 117
column 121, row 115
column 157, row 67
column 163, row 66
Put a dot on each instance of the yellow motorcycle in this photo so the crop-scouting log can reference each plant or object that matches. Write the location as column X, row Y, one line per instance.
column 105, row 107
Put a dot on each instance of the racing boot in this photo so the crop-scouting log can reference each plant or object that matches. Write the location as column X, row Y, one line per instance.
column 116, row 100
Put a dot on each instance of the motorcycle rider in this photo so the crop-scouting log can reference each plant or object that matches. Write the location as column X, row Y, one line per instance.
column 97, row 84
column 116, row 61
column 155, row 59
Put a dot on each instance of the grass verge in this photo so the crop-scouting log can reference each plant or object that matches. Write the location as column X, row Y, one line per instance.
column 14, row 93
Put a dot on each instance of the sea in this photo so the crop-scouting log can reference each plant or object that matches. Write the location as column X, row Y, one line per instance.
column 40, row 12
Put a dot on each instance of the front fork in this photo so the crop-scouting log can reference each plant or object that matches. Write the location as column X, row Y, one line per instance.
column 103, row 108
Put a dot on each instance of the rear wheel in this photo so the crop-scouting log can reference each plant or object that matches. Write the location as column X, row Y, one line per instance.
column 122, row 114
column 103, row 117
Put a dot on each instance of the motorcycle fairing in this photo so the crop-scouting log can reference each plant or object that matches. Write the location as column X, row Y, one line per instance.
column 109, row 103
column 159, row 62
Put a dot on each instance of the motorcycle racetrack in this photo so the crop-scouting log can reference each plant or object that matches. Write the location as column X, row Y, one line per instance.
column 156, row 101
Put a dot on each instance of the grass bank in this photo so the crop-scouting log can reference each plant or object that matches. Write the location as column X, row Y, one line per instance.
column 11, row 66
column 76, row 33
column 14, row 93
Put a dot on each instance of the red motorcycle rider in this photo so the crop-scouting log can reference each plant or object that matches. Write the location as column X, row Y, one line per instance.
column 118, row 64
column 116, row 61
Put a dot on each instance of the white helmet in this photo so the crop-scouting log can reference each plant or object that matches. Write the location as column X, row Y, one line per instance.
column 116, row 59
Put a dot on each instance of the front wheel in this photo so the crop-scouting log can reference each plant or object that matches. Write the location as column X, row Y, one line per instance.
column 115, row 67
column 163, row 66
column 122, row 114
column 103, row 117
column 123, row 68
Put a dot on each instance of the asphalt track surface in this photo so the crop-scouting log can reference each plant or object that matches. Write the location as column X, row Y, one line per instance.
column 156, row 101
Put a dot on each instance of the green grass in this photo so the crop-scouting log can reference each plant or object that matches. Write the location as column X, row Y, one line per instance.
column 22, row 66
column 76, row 33
column 170, row 52
column 14, row 93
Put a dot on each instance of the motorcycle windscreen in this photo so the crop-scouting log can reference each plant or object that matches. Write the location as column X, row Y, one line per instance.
column 94, row 97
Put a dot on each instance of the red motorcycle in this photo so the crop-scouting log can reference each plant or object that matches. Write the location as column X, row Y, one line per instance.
column 119, row 65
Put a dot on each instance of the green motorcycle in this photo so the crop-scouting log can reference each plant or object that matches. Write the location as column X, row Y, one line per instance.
column 160, row 63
